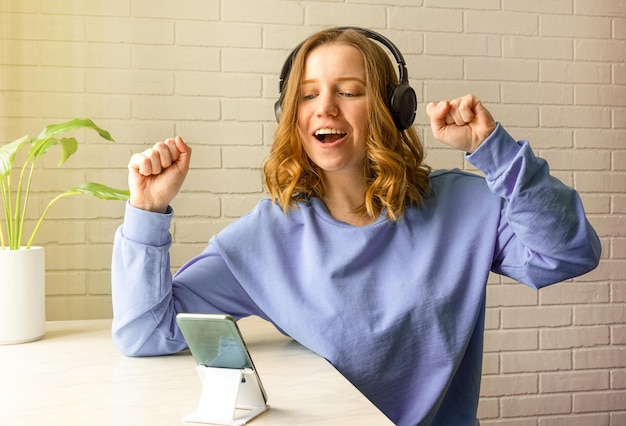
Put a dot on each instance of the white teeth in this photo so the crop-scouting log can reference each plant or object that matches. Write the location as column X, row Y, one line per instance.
column 329, row 132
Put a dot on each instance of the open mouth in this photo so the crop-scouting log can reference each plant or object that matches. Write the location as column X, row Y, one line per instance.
column 329, row 135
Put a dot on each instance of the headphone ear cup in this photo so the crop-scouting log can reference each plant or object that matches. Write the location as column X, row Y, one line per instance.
column 278, row 106
column 402, row 105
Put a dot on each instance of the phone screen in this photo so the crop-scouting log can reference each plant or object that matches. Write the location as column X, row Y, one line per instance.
column 214, row 340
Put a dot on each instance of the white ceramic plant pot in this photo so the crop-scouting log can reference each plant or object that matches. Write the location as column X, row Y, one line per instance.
column 22, row 295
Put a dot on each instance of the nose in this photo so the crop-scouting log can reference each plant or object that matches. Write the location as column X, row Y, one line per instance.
column 327, row 104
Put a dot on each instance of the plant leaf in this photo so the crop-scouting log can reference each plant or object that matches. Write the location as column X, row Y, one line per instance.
column 77, row 123
column 46, row 139
column 68, row 147
column 7, row 155
column 101, row 191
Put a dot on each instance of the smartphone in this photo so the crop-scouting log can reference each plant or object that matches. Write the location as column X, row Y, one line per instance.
column 216, row 341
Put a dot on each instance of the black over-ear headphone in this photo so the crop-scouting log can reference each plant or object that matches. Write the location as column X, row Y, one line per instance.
column 401, row 98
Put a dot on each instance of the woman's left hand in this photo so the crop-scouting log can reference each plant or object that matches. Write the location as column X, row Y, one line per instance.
column 463, row 123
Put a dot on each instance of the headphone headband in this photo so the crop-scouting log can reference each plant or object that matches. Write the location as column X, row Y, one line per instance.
column 401, row 98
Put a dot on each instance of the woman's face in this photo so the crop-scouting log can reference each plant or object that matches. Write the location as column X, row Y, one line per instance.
column 332, row 110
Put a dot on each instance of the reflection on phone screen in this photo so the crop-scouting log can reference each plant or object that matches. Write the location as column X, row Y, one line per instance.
column 229, row 354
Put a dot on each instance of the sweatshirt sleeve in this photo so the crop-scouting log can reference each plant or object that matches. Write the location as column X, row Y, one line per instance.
column 146, row 298
column 544, row 236
column 141, row 282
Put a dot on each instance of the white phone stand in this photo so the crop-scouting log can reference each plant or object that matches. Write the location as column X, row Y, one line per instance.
column 225, row 390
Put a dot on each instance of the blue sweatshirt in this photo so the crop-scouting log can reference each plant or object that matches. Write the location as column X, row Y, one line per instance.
column 398, row 308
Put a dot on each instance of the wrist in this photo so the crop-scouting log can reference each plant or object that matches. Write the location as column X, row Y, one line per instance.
column 149, row 207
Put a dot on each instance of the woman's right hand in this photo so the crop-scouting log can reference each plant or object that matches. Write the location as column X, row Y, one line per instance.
column 156, row 175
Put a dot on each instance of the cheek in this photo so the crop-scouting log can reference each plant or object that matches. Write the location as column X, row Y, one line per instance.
column 302, row 121
column 363, row 117
column 361, row 129
column 302, row 133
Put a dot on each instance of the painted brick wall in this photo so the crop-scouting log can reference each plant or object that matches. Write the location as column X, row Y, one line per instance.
column 553, row 72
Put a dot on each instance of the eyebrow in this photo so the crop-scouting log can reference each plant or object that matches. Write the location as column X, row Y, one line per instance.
column 342, row 79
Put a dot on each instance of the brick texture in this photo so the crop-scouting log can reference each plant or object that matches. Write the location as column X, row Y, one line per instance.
column 553, row 72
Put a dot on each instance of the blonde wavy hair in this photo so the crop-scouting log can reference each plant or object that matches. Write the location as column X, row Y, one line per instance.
column 395, row 176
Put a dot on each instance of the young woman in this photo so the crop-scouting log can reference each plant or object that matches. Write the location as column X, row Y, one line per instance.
column 360, row 253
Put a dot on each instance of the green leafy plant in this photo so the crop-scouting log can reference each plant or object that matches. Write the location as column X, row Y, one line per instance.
column 15, row 199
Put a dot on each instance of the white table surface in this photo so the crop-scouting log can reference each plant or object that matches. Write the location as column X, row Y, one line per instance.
column 75, row 375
